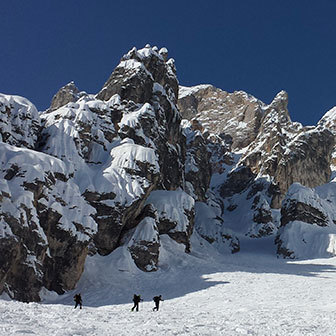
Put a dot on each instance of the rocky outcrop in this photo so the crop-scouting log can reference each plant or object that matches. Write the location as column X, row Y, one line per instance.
column 235, row 114
column 197, row 163
column 237, row 181
column 66, row 94
column 42, row 230
column 307, row 223
column 146, row 77
column 109, row 154
column 328, row 121
column 144, row 243
column 175, row 211
column 288, row 152
column 134, row 78
column 284, row 151
column 20, row 123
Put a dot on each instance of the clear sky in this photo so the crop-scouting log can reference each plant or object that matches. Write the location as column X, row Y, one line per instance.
column 259, row 46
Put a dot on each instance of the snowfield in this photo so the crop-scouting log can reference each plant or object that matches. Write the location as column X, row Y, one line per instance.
column 205, row 293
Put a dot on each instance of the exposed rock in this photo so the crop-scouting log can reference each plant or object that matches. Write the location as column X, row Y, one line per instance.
column 175, row 214
column 197, row 164
column 20, row 123
column 145, row 243
column 134, row 77
column 119, row 169
column 237, row 181
column 293, row 210
column 66, row 94
column 307, row 223
column 288, row 152
column 44, row 248
column 143, row 76
column 236, row 114
column 263, row 222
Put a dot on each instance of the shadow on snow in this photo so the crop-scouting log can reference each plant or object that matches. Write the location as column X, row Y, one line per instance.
column 113, row 279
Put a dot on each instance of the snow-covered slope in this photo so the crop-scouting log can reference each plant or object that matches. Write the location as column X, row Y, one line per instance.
column 204, row 294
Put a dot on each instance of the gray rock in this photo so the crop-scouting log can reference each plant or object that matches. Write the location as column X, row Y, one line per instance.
column 236, row 114
column 66, row 94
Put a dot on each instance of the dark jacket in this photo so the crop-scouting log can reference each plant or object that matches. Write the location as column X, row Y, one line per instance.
column 78, row 298
column 136, row 298
column 157, row 299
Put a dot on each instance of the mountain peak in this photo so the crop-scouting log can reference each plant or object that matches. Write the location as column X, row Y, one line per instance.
column 137, row 73
column 279, row 107
column 66, row 94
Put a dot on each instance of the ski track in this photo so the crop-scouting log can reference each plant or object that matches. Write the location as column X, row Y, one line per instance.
column 249, row 295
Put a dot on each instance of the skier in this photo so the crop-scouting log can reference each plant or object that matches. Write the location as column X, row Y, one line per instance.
column 157, row 300
column 78, row 300
column 136, row 300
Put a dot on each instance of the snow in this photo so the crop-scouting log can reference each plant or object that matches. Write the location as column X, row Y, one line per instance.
column 205, row 294
column 187, row 91
column 128, row 155
column 172, row 205
column 32, row 167
column 21, row 122
column 132, row 119
column 329, row 118
column 19, row 104
column 163, row 50
column 130, row 64
column 146, row 230
column 307, row 240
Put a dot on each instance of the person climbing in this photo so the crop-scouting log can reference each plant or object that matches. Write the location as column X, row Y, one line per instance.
column 78, row 300
column 157, row 300
column 136, row 300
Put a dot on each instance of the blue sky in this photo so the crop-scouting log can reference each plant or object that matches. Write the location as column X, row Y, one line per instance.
column 259, row 46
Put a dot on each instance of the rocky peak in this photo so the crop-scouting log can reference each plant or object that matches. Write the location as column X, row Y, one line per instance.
column 136, row 74
column 69, row 93
column 329, row 119
column 280, row 103
column 276, row 113
column 236, row 114
column 289, row 152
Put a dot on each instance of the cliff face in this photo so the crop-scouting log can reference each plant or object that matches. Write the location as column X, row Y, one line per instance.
column 236, row 114
column 273, row 144
column 78, row 178
column 136, row 161
column 257, row 153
